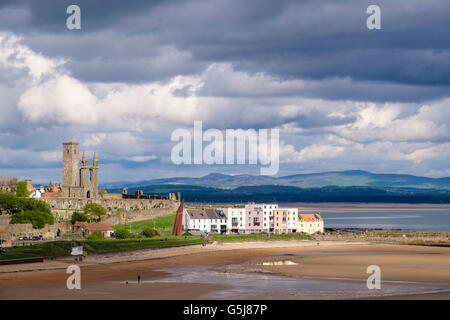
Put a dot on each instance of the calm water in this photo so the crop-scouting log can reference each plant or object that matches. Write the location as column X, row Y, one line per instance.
column 420, row 220
column 248, row 284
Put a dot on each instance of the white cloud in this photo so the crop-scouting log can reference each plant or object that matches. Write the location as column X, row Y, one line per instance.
column 59, row 100
column 134, row 121
column 142, row 158
column 15, row 55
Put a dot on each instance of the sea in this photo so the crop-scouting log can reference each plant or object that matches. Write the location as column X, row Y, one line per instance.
column 414, row 220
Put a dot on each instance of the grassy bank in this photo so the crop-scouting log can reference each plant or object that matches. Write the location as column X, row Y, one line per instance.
column 163, row 224
column 63, row 248
column 260, row 237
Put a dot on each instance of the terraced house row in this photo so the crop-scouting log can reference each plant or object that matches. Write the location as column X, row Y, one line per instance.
column 252, row 218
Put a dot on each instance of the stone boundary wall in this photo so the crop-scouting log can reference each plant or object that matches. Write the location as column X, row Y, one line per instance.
column 13, row 231
column 119, row 211
column 112, row 196
column 132, row 216
column 4, row 220
column 112, row 205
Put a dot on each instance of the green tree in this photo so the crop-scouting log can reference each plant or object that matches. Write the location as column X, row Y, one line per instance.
column 21, row 190
column 150, row 232
column 79, row 216
column 11, row 204
column 95, row 236
column 94, row 210
column 122, row 233
column 37, row 218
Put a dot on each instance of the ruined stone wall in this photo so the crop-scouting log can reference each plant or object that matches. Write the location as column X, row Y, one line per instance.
column 112, row 196
column 14, row 231
column 112, row 205
column 131, row 216
column 6, row 189
column 4, row 220
column 119, row 211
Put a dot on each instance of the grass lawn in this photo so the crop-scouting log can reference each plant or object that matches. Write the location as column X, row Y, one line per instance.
column 163, row 224
column 260, row 237
column 63, row 248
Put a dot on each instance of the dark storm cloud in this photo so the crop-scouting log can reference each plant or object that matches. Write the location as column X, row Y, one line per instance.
column 316, row 40
column 50, row 15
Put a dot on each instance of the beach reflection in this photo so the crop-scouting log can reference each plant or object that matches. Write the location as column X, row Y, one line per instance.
column 254, row 283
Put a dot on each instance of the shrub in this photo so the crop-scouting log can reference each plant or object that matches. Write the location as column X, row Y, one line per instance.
column 187, row 234
column 37, row 218
column 79, row 216
column 122, row 234
column 150, row 232
column 12, row 204
column 69, row 235
column 95, row 236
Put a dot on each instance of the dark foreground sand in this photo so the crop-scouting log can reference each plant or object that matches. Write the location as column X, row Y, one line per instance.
column 419, row 269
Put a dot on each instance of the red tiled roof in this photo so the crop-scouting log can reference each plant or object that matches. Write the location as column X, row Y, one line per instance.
column 309, row 217
column 80, row 223
column 101, row 226
column 49, row 195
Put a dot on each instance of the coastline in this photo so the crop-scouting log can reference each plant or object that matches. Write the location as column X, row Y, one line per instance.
column 344, row 206
column 160, row 253
column 415, row 271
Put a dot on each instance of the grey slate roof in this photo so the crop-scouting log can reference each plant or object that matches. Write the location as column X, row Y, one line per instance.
column 206, row 214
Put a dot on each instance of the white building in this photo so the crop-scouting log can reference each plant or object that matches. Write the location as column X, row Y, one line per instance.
column 310, row 223
column 37, row 193
column 235, row 219
column 268, row 216
column 209, row 220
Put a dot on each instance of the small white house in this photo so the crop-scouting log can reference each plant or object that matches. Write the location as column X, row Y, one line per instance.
column 209, row 220
column 310, row 223
column 37, row 193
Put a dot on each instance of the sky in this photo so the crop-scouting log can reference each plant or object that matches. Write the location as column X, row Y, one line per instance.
column 342, row 96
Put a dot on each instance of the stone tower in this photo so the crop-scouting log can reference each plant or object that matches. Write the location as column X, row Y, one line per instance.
column 84, row 171
column 71, row 175
column 78, row 181
column 94, row 175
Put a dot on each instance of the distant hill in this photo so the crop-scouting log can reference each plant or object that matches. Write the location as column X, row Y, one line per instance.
column 312, row 180
column 273, row 193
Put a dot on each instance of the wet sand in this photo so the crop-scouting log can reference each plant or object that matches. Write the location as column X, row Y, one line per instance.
column 332, row 270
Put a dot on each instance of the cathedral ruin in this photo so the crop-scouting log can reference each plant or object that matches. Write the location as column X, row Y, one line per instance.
column 78, row 181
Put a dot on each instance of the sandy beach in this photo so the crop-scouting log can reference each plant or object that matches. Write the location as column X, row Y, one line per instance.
column 330, row 270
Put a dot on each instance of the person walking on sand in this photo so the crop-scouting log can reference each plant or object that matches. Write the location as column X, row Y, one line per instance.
column 139, row 278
